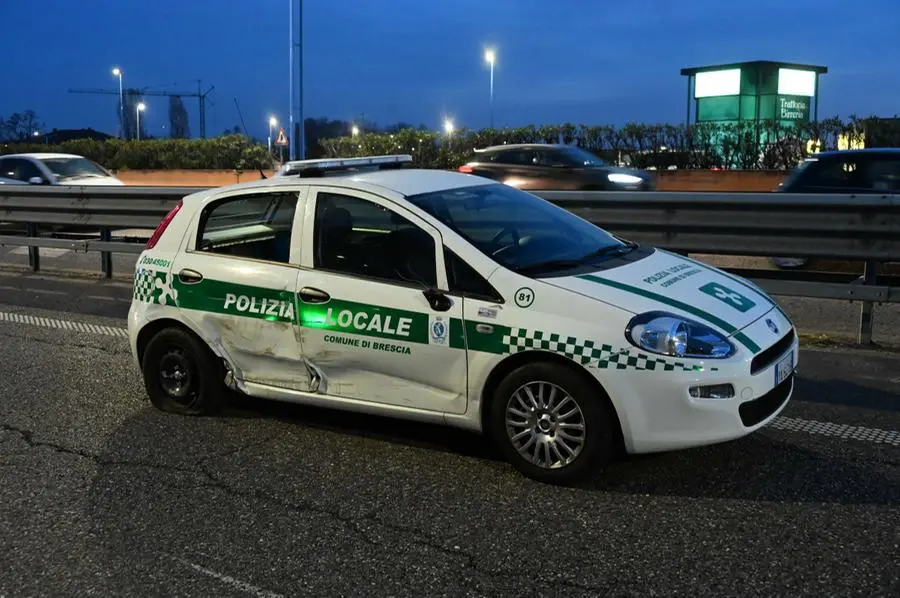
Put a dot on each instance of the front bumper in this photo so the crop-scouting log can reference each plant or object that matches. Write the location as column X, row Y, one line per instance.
column 658, row 413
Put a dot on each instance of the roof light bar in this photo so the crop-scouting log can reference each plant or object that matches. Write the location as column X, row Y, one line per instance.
column 335, row 164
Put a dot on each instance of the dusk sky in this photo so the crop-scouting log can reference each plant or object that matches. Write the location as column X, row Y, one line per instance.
column 583, row 61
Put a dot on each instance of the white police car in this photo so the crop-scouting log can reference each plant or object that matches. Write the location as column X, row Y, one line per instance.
column 448, row 298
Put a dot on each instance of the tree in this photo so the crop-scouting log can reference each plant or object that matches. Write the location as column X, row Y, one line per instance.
column 178, row 119
column 20, row 126
column 133, row 97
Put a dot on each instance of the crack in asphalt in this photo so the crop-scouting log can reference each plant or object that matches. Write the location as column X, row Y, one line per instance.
column 353, row 523
column 28, row 437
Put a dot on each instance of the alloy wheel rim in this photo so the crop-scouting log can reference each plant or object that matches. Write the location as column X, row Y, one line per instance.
column 545, row 425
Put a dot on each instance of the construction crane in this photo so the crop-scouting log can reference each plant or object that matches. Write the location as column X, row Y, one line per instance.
column 201, row 96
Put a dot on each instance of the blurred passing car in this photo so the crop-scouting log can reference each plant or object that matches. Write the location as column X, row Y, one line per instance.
column 860, row 171
column 558, row 167
column 53, row 169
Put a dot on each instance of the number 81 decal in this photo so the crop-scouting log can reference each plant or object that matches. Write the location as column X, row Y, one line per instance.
column 524, row 297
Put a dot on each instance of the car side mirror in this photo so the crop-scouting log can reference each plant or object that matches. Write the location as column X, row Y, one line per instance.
column 36, row 180
column 437, row 299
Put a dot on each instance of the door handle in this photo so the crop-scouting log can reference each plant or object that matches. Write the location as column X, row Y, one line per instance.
column 188, row 276
column 484, row 328
column 312, row 295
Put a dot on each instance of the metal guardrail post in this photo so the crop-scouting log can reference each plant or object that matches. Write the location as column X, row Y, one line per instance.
column 867, row 309
column 34, row 256
column 106, row 256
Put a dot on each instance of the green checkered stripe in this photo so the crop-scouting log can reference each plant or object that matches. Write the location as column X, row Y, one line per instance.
column 152, row 286
column 589, row 353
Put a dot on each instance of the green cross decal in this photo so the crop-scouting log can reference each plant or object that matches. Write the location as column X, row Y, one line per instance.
column 729, row 296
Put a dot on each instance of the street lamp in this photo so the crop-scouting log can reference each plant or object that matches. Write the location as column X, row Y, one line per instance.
column 354, row 130
column 272, row 123
column 491, row 57
column 448, row 126
column 140, row 108
column 117, row 72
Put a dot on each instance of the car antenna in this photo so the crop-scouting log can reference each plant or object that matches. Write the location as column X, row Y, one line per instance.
column 244, row 127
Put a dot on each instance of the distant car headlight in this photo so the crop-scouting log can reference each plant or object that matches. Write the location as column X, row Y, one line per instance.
column 624, row 179
column 667, row 334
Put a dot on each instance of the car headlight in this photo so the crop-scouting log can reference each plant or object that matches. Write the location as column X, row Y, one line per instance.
column 667, row 334
column 624, row 179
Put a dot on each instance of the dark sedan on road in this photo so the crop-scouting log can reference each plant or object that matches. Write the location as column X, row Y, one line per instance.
column 872, row 170
column 558, row 167
column 859, row 171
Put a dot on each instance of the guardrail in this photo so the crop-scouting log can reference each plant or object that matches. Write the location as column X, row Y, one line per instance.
column 863, row 228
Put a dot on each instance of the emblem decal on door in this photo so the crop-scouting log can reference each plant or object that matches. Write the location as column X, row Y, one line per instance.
column 438, row 329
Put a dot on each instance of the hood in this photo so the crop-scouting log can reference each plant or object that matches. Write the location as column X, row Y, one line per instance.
column 665, row 281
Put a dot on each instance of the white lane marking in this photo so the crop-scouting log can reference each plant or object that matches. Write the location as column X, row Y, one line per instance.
column 873, row 435
column 229, row 580
column 24, row 290
column 51, row 252
column 63, row 324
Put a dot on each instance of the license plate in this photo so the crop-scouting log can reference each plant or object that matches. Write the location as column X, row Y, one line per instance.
column 784, row 368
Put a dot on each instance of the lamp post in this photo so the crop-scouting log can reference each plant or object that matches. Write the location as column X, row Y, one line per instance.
column 272, row 123
column 137, row 111
column 448, row 126
column 117, row 72
column 297, row 136
column 491, row 57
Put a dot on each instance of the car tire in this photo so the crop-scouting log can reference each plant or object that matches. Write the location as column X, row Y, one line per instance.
column 541, row 424
column 181, row 375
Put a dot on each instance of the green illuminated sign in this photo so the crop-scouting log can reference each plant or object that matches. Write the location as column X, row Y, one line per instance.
column 792, row 108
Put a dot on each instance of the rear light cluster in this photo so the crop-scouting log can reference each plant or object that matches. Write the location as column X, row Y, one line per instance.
column 158, row 233
column 465, row 168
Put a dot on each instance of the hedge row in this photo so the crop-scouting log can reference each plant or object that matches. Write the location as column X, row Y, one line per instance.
column 768, row 146
column 218, row 153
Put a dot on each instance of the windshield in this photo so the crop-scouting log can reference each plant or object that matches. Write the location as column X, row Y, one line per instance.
column 518, row 230
column 69, row 168
column 580, row 157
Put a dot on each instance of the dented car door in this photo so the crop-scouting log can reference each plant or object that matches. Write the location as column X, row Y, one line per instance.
column 376, row 322
column 235, row 281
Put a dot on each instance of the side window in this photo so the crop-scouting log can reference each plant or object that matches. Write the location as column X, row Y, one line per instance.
column 465, row 281
column 553, row 158
column 28, row 170
column 13, row 169
column 361, row 238
column 883, row 174
column 254, row 226
column 515, row 158
column 836, row 174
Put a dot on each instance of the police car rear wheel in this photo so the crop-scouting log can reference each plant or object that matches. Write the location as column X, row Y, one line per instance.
column 181, row 375
column 550, row 424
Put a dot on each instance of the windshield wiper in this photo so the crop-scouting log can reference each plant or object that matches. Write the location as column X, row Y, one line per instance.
column 561, row 264
column 626, row 247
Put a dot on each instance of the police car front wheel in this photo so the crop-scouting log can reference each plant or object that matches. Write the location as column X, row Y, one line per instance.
column 181, row 374
column 551, row 424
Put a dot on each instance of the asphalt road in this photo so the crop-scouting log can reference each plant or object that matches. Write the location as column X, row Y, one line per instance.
column 103, row 495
